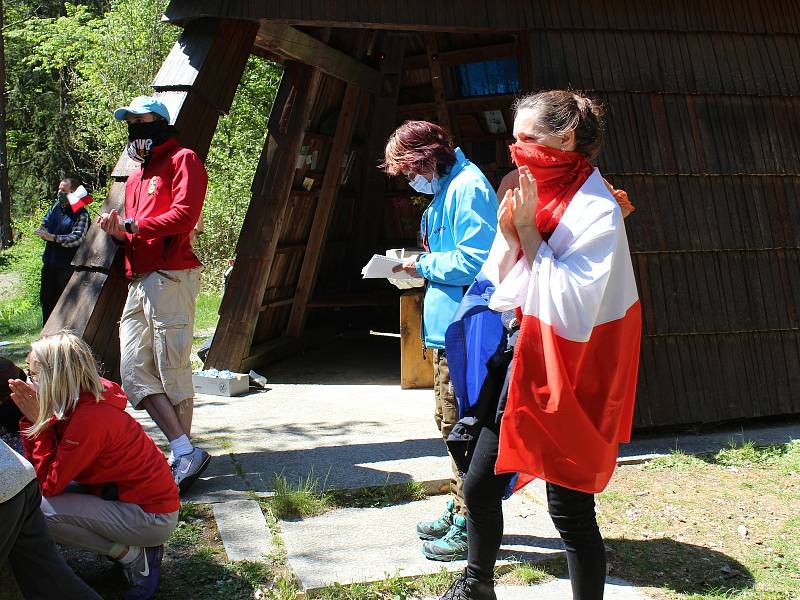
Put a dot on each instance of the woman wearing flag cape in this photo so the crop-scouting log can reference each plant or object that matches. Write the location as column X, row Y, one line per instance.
column 560, row 271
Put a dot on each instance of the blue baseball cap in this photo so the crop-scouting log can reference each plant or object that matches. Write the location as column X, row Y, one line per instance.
column 142, row 105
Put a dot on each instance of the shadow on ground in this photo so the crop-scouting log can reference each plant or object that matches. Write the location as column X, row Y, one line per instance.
column 339, row 467
column 678, row 566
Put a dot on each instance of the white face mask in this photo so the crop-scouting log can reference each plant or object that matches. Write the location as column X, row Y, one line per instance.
column 423, row 186
column 33, row 384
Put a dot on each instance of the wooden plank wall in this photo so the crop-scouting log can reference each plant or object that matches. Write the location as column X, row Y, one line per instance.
column 704, row 133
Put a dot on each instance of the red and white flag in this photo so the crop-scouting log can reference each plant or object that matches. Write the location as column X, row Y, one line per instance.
column 573, row 378
column 79, row 198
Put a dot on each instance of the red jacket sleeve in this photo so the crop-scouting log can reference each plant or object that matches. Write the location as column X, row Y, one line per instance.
column 60, row 461
column 188, row 192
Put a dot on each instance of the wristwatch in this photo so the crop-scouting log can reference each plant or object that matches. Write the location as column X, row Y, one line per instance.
column 128, row 224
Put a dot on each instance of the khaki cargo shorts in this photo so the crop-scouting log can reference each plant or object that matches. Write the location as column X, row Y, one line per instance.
column 155, row 335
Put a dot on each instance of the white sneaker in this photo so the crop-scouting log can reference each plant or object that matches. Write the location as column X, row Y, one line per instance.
column 187, row 468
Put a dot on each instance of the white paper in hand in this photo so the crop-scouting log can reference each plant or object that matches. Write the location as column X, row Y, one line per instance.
column 380, row 267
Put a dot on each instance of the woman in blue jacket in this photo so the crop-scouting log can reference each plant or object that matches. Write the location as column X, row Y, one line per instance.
column 457, row 231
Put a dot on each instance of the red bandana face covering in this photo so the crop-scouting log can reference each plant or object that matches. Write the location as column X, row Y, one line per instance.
column 559, row 175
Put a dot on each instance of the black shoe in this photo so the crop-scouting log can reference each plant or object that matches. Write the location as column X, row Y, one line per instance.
column 469, row 588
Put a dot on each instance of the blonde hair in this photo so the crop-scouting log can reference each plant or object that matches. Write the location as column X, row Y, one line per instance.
column 67, row 369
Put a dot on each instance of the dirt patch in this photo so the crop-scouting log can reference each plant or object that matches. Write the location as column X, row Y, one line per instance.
column 706, row 528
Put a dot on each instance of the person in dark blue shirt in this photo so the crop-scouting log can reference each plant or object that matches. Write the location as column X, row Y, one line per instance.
column 63, row 228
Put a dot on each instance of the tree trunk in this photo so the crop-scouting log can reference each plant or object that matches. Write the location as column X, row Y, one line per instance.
column 6, row 239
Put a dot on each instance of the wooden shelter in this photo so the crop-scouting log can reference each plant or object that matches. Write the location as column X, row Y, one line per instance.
column 703, row 132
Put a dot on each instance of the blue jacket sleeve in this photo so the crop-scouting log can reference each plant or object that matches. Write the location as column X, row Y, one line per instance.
column 474, row 225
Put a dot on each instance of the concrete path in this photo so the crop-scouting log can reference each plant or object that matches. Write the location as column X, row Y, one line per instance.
column 326, row 413
column 368, row 544
column 243, row 530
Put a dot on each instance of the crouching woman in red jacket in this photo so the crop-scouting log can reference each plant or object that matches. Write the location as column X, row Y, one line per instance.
column 106, row 487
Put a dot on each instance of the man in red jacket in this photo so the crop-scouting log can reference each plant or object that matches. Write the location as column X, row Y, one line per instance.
column 163, row 202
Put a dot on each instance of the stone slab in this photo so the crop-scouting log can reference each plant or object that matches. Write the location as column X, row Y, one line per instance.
column 368, row 544
column 559, row 589
column 243, row 530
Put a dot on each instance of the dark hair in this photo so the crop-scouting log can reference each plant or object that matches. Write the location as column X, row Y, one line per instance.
column 9, row 413
column 562, row 111
column 74, row 183
column 419, row 146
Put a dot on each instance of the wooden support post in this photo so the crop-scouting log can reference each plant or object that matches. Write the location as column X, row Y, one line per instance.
column 416, row 366
column 307, row 280
column 437, row 83
column 197, row 82
column 384, row 112
column 263, row 222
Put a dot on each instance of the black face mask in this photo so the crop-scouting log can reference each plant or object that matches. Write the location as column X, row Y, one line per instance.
column 62, row 198
column 143, row 137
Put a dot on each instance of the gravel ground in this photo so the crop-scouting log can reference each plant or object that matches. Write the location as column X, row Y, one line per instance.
column 12, row 439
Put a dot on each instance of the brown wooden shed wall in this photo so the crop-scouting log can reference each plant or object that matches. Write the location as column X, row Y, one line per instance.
column 704, row 134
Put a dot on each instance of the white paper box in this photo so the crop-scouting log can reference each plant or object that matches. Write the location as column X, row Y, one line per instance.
column 217, row 386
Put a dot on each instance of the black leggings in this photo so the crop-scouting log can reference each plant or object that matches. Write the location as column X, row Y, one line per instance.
column 572, row 513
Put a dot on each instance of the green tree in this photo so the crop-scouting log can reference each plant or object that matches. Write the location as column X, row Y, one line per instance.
column 70, row 64
column 231, row 164
column 71, row 71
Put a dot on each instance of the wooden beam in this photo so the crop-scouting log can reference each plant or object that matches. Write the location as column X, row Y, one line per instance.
column 464, row 56
column 437, row 83
column 296, row 45
column 307, row 280
column 388, row 15
column 263, row 223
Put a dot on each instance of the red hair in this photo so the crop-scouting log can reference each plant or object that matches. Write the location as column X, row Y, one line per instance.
column 419, row 147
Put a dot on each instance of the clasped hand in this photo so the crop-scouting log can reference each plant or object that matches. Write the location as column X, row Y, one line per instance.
column 517, row 210
column 45, row 235
column 24, row 396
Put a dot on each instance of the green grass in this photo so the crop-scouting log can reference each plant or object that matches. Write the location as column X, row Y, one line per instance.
column 309, row 497
column 206, row 313
column 380, row 496
column 304, row 498
column 394, row 587
column 723, row 525
column 786, row 456
column 20, row 274
column 399, row 587
column 528, row 574
column 676, row 460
